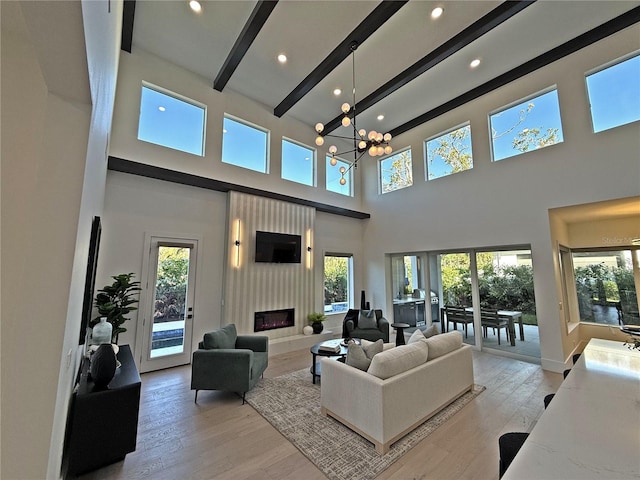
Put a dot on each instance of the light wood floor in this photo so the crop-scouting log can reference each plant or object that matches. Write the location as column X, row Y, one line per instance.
column 221, row 438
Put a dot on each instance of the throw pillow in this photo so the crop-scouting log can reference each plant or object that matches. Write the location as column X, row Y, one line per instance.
column 431, row 331
column 359, row 356
column 356, row 357
column 367, row 319
column 372, row 348
column 416, row 336
column 222, row 338
column 444, row 343
column 397, row 360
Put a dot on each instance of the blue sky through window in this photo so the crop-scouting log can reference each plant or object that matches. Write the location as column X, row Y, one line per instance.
column 539, row 113
column 244, row 146
column 614, row 94
column 297, row 163
column 456, row 146
column 333, row 177
column 170, row 122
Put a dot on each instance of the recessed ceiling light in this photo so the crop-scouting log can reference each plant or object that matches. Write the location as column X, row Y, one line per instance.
column 474, row 63
column 380, row 117
column 436, row 12
column 161, row 108
column 337, row 92
column 282, row 58
column 195, row 6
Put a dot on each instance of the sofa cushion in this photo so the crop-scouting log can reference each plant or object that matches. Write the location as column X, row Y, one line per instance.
column 444, row 343
column 431, row 331
column 367, row 319
column 397, row 360
column 416, row 336
column 222, row 338
column 359, row 356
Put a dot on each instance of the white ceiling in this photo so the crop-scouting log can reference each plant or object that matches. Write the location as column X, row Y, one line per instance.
column 307, row 31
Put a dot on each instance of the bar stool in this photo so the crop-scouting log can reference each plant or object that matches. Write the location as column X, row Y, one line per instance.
column 509, row 445
column 547, row 399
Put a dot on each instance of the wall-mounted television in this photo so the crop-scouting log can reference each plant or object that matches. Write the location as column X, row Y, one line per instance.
column 90, row 278
column 274, row 247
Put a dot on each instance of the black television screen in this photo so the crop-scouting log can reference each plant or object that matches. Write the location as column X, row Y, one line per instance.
column 90, row 278
column 278, row 247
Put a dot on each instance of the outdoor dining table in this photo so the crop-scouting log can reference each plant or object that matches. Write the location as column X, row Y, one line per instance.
column 510, row 315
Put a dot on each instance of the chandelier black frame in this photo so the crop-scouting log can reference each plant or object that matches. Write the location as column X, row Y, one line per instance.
column 374, row 143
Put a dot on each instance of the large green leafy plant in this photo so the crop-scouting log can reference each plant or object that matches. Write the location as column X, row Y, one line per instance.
column 117, row 300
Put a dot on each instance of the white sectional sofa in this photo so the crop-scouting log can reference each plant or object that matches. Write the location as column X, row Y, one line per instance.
column 418, row 380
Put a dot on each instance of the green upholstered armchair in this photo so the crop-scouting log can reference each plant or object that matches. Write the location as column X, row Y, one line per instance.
column 228, row 361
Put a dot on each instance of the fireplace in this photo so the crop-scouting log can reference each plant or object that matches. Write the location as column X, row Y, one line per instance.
column 273, row 319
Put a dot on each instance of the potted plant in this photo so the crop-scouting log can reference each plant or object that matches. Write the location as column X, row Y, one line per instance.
column 315, row 320
column 115, row 301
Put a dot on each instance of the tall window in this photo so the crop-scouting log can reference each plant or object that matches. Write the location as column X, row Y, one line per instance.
column 449, row 152
column 333, row 177
column 244, row 145
column 298, row 163
column 338, row 282
column 614, row 94
column 529, row 125
column 605, row 286
column 171, row 122
column 396, row 171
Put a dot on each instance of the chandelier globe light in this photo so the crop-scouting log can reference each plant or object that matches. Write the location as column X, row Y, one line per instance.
column 374, row 143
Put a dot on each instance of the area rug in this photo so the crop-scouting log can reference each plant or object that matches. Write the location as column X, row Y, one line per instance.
column 291, row 403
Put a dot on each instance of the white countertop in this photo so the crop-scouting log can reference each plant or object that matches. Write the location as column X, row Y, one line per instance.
column 591, row 429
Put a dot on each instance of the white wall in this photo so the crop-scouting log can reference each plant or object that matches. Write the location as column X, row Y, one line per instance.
column 53, row 161
column 136, row 205
column 140, row 66
column 507, row 202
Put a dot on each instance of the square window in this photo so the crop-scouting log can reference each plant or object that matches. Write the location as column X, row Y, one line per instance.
column 532, row 124
column 244, row 145
column 614, row 94
column 396, row 171
column 449, row 153
column 298, row 163
column 334, row 175
column 171, row 122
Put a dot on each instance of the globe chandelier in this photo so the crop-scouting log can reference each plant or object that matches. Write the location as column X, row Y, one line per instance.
column 372, row 142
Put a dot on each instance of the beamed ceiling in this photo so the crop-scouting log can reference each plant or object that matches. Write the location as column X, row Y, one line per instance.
column 409, row 67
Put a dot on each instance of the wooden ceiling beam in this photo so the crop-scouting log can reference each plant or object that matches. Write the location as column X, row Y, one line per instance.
column 254, row 24
column 367, row 27
column 474, row 31
column 594, row 35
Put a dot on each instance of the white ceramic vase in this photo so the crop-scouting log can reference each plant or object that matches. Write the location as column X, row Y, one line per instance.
column 101, row 332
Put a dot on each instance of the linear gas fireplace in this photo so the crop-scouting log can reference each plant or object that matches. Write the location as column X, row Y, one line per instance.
column 273, row 319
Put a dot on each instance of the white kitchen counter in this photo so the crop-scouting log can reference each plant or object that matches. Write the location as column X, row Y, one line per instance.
column 591, row 429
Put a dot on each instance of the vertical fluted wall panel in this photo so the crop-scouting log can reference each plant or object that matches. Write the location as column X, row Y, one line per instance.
column 254, row 287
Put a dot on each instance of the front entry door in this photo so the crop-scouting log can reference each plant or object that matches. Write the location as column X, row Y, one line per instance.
column 169, row 294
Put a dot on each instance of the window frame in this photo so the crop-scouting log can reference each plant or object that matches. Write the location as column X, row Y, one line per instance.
column 442, row 134
column 313, row 160
column 180, row 98
column 515, row 103
column 350, row 280
column 599, row 69
column 381, row 190
column 349, row 177
column 254, row 126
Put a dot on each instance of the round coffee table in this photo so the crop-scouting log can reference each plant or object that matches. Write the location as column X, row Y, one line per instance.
column 400, row 332
column 316, row 351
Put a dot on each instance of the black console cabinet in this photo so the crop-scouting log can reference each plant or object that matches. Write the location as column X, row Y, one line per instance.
column 102, row 425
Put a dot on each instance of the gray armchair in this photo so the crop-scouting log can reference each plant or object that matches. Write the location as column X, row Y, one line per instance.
column 352, row 328
column 229, row 362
